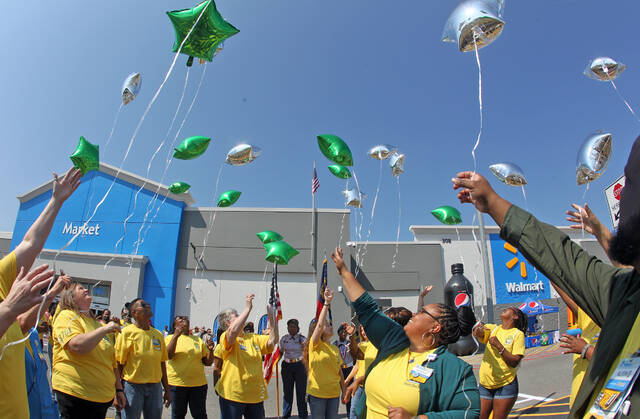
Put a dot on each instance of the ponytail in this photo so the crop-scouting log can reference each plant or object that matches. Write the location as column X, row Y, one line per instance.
column 455, row 323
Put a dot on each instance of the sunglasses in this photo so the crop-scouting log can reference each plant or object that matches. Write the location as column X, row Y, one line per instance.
column 422, row 310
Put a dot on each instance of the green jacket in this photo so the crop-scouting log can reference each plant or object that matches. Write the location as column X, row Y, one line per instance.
column 451, row 392
column 609, row 295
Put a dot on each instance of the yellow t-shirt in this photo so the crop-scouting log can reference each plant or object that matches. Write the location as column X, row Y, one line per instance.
column 13, row 387
column 324, row 370
column 390, row 384
column 186, row 369
column 494, row 372
column 370, row 352
column 589, row 333
column 141, row 352
column 86, row 376
column 630, row 347
column 241, row 379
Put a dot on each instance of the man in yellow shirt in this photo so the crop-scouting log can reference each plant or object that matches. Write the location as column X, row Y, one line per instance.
column 13, row 387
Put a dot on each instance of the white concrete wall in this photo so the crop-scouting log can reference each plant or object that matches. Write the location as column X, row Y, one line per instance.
column 408, row 299
column 212, row 291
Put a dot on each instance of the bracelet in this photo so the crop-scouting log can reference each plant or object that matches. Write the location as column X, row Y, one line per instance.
column 502, row 350
column 583, row 355
column 327, row 305
column 119, row 390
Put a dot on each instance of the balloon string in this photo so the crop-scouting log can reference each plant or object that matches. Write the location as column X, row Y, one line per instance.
column 370, row 226
column 169, row 160
column 475, row 147
column 113, row 127
column 212, row 219
column 80, row 230
column 144, row 183
column 344, row 215
column 360, row 217
column 151, row 204
column 394, row 264
column 620, row 96
column 483, row 292
column 264, row 294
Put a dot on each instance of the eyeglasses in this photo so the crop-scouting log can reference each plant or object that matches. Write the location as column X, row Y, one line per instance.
column 422, row 310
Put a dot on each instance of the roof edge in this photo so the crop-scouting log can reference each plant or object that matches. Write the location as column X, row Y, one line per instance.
column 124, row 176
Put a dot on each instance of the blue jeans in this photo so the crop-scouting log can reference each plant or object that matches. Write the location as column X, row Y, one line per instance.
column 143, row 399
column 294, row 373
column 324, row 408
column 235, row 410
column 354, row 402
column 194, row 397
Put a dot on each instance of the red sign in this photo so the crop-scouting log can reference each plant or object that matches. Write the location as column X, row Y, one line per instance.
column 617, row 190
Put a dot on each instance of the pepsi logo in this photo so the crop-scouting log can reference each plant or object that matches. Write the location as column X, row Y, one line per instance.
column 462, row 299
column 617, row 190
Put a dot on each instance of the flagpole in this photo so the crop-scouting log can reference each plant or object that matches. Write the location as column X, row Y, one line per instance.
column 277, row 390
column 313, row 261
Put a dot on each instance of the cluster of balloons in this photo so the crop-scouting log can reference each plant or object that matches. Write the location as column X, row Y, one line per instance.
column 86, row 156
column 278, row 251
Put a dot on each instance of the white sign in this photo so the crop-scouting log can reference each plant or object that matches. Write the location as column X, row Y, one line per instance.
column 84, row 230
column 612, row 193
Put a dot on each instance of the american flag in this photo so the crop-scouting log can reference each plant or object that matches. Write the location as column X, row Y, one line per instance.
column 315, row 183
column 274, row 298
column 323, row 286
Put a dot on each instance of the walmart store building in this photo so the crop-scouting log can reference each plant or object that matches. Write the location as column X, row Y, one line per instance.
column 154, row 255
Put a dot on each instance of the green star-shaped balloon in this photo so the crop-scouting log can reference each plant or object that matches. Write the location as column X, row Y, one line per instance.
column 210, row 31
column 335, row 149
column 86, row 157
column 228, row 198
column 191, row 147
column 340, row 171
column 447, row 215
column 269, row 236
column 179, row 187
column 279, row 252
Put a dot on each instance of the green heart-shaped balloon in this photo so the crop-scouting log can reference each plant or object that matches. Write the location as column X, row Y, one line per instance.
column 192, row 147
column 279, row 252
column 335, row 149
column 340, row 171
column 86, row 157
column 179, row 187
column 269, row 236
column 228, row 198
column 447, row 215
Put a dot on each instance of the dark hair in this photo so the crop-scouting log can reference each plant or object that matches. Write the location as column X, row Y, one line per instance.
column 400, row 315
column 454, row 323
column 521, row 321
column 624, row 246
column 132, row 302
column 293, row 321
column 341, row 328
column 249, row 328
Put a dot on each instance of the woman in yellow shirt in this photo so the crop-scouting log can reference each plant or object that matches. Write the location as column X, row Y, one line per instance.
column 498, row 381
column 84, row 375
column 241, row 386
column 325, row 382
column 188, row 355
column 141, row 354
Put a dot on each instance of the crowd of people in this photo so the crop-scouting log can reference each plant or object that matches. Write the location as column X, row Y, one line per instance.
column 393, row 364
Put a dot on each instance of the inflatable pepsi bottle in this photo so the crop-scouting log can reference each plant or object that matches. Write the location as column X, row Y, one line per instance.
column 458, row 292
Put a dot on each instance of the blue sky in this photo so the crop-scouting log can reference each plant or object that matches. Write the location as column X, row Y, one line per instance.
column 371, row 72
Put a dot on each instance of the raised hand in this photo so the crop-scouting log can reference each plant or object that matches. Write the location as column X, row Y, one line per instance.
column 475, row 189
column 328, row 296
column 583, row 218
column 426, row 291
column 63, row 187
column 25, row 290
column 250, row 298
column 337, row 256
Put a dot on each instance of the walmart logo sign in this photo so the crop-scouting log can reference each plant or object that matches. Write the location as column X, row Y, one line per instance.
column 515, row 279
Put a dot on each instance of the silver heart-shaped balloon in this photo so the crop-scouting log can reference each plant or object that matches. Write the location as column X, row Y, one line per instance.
column 593, row 157
column 243, row 154
column 131, row 87
column 509, row 173
column 474, row 23
column 354, row 197
column 604, row 69
column 397, row 164
column 382, row 151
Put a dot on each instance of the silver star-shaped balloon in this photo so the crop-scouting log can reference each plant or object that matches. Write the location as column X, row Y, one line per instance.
column 354, row 197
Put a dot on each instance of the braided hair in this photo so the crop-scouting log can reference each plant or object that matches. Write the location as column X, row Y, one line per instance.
column 454, row 323
column 521, row 321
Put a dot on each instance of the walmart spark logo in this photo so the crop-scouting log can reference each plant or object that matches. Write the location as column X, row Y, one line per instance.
column 510, row 264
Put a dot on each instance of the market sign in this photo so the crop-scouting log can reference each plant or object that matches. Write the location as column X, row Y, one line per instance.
column 612, row 193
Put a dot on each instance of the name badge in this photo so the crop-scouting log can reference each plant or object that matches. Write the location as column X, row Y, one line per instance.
column 420, row 374
column 610, row 400
column 244, row 348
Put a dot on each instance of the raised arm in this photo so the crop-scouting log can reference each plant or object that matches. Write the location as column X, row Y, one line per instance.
column 351, row 285
column 423, row 294
column 33, row 242
column 84, row 343
column 180, row 329
column 235, row 328
column 353, row 345
column 322, row 318
column 586, row 279
column 273, row 330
